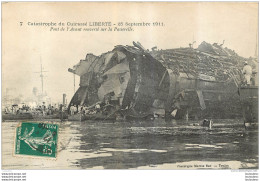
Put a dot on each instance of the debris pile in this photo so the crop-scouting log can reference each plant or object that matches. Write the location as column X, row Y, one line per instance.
column 140, row 83
column 127, row 77
column 218, row 63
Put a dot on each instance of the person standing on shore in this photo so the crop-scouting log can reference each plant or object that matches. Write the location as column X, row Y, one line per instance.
column 247, row 71
column 72, row 110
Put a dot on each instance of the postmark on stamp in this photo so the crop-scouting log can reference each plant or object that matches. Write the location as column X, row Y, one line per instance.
column 36, row 139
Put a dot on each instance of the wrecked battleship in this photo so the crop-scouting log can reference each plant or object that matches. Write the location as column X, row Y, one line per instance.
column 133, row 82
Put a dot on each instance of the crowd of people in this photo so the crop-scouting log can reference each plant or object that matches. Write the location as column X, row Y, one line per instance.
column 38, row 110
column 99, row 107
column 58, row 108
column 83, row 109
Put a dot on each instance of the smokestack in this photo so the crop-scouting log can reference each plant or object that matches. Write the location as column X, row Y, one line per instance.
column 64, row 99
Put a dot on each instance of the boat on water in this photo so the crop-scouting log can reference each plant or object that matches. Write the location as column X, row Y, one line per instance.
column 76, row 117
column 14, row 117
column 83, row 117
column 31, row 116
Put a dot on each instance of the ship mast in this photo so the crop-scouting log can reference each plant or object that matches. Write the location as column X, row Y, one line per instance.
column 256, row 48
column 41, row 74
column 74, row 81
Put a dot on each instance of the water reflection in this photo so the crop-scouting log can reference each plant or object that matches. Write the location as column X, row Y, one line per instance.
column 139, row 144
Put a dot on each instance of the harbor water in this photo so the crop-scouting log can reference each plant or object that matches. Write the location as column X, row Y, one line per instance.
column 139, row 144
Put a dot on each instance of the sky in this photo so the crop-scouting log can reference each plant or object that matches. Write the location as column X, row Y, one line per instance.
column 24, row 46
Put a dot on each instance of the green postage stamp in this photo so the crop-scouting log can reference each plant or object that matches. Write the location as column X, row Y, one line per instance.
column 36, row 139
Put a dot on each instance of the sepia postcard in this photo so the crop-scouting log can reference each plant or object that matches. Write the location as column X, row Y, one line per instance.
column 129, row 85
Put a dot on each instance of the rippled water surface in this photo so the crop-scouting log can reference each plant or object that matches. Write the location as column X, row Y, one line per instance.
column 141, row 144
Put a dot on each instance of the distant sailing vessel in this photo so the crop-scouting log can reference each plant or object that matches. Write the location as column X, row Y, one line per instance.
column 21, row 111
column 42, row 97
